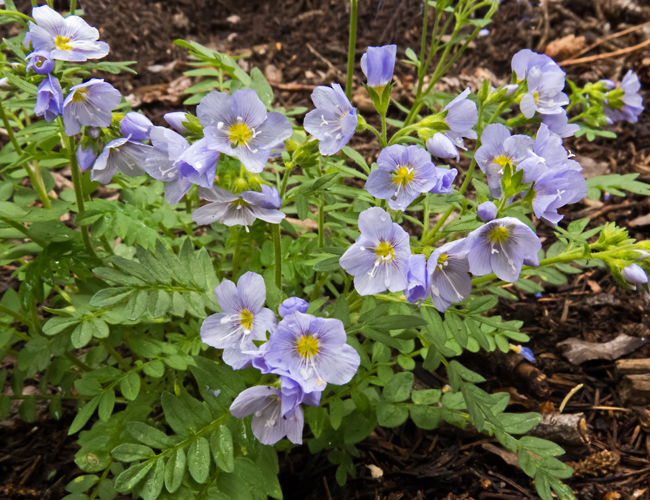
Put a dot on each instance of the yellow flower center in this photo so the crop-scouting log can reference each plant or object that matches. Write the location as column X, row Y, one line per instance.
column 536, row 96
column 62, row 43
column 499, row 234
column 39, row 61
column 379, row 90
column 307, row 346
column 403, row 176
column 247, row 319
column 502, row 160
column 79, row 95
column 385, row 251
column 240, row 133
column 442, row 261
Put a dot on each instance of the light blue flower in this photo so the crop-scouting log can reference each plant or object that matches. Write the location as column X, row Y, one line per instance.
column 378, row 64
column 557, row 188
column 244, row 319
column 627, row 106
column 40, row 61
column 461, row 117
column 90, row 104
column 487, row 211
column 333, row 121
column 379, row 258
column 293, row 305
column 85, row 157
column 559, row 124
column 242, row 209
column 136, row 126
column 416, row 288
column 49, row 99
column 68, row 39
column 403, row 173
column 446, row 178
column 163, row 163
column 313, row 351
column 448, row 279
column 501, row 246
column 238, row 125
column 127, row 156
column 176, row 119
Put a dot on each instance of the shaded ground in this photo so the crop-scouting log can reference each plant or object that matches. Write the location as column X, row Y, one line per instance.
column 304, row 42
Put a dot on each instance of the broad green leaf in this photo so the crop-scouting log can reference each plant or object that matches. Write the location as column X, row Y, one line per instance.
column 399, row 387
column 198, row 460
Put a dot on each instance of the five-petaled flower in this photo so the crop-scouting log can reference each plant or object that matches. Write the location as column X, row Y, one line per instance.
column 448, row 279
column 461, row 117
column 625, row 102
column 244, row 319
column 90, row 104
column 120, row 154
column 313, row 351
column 68, row 39
column 379, row 258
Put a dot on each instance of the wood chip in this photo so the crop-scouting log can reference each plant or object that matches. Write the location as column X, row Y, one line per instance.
column 578, row 351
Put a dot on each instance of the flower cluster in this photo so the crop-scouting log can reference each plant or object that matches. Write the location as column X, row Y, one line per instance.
column 305, row 351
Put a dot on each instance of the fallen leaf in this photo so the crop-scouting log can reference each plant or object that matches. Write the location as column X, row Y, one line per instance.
column 565, row 47
column 578, row 351
column 508, row 456
column 644, row 220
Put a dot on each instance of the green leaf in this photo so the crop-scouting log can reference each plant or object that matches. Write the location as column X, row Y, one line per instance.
column 397, row 322
column 457, row 328
column 127, row 480
column 106, row 404
column 130, row 385
column 222, row 449
column 81, row 484
column 177, row 414
column 426, row 417
column 520, row 423
column 131, row 452
column 198, row 460
column 554, row 467
column 398, row 388
column 527, row 463
column 175, row 470
column 541, row 447
column 426, row 397
column 155, row 480
column 57, row 325
column 27, row 409
column 261, row 87
column 356, row 157
column 465, row 373
column 84, row 415
column 336, row 413
column 390, row 415
column 148, row 435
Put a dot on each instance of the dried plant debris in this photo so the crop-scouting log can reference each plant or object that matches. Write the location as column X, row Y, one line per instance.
column 578, row 351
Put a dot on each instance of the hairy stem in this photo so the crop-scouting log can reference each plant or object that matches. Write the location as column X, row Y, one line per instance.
column 351, row 46
column 78, row 191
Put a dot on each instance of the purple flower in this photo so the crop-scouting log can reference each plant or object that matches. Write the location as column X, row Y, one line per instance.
column 545, row 81
column 313, row 351
column 625, row 103
column 86, row 157
column 500, row 246
column 244, row 319
column 269, row 424
column 378, row 260
column 416, row 289
column 333, row 121
column 446, row 178
column 40, row 61
column 549, row 153
column 163, row 163
column 487, row 211
column 448, row 278
column 559, row 124
column 242, row 209
column 69, row 39
column 555, row 189
column 238, row 125
column 175, row 121
column 120, row 154
column 635, row 275
column 461, row 117
column 378, row 64
column 89, row 104
column 525, row 352
column 403, row 173
column 136, row 126
column 293, row 305
column 49, row 99
column 203, row 162
column 498, row 149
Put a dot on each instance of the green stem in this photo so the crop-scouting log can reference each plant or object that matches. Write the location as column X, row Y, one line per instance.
column 425, row 217
column 73, row 7
column 188, row 203
column 277, row 250
column 15, row 13
column 423, row 45
column 23, row 230
column 11, row 313
column 78, row 191
column 101, row 479
column 285, row 179
column 116, row 356
column 351, row 46
column 383, row 130
column 321, row 223
column 34, row 175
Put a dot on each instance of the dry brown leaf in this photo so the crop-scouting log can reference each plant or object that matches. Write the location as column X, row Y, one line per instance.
column 508, row 456
column 578, row 351
column 565, row 47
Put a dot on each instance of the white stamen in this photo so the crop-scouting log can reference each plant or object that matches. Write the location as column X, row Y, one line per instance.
column 324, row 121
column 220, row 125
column 560, row 193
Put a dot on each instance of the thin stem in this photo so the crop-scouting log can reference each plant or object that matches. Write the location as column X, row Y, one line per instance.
column 23, row 230
column 285, row 179
column 425, row 217
column 383, row 130
column 15, row 13
column 351, row 46
column 116, row 356
column 188, row 203
column 277, row 249
column 35, row 178
column 321, row 223
column 73, row 7
column 101, row 479
column 78, row 191
column 423, row 46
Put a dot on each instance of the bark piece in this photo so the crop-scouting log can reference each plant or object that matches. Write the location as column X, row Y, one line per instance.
column 635, row 389
column 564, row 429
column 578, row 351
column 632, row 366
column 521, row 371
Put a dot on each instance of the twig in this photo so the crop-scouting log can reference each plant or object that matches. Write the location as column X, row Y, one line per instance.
column 322, row 58
column 545, row 31
column 327, row 488
column 569, row 396
column 293, row 86
column 607, row 55
column 609, row 37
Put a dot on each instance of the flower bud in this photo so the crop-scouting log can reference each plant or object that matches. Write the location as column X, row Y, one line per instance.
column 136, row 126
column 293, row 305
column 635, row 275
column 487, row 211
column 4, row 84
column 175, row 121
column 240, row 185
column 484, row 90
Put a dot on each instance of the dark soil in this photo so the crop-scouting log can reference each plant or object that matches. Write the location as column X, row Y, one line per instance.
column 306, row 41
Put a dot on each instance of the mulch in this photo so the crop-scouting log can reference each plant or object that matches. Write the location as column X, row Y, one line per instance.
column 302, row 43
